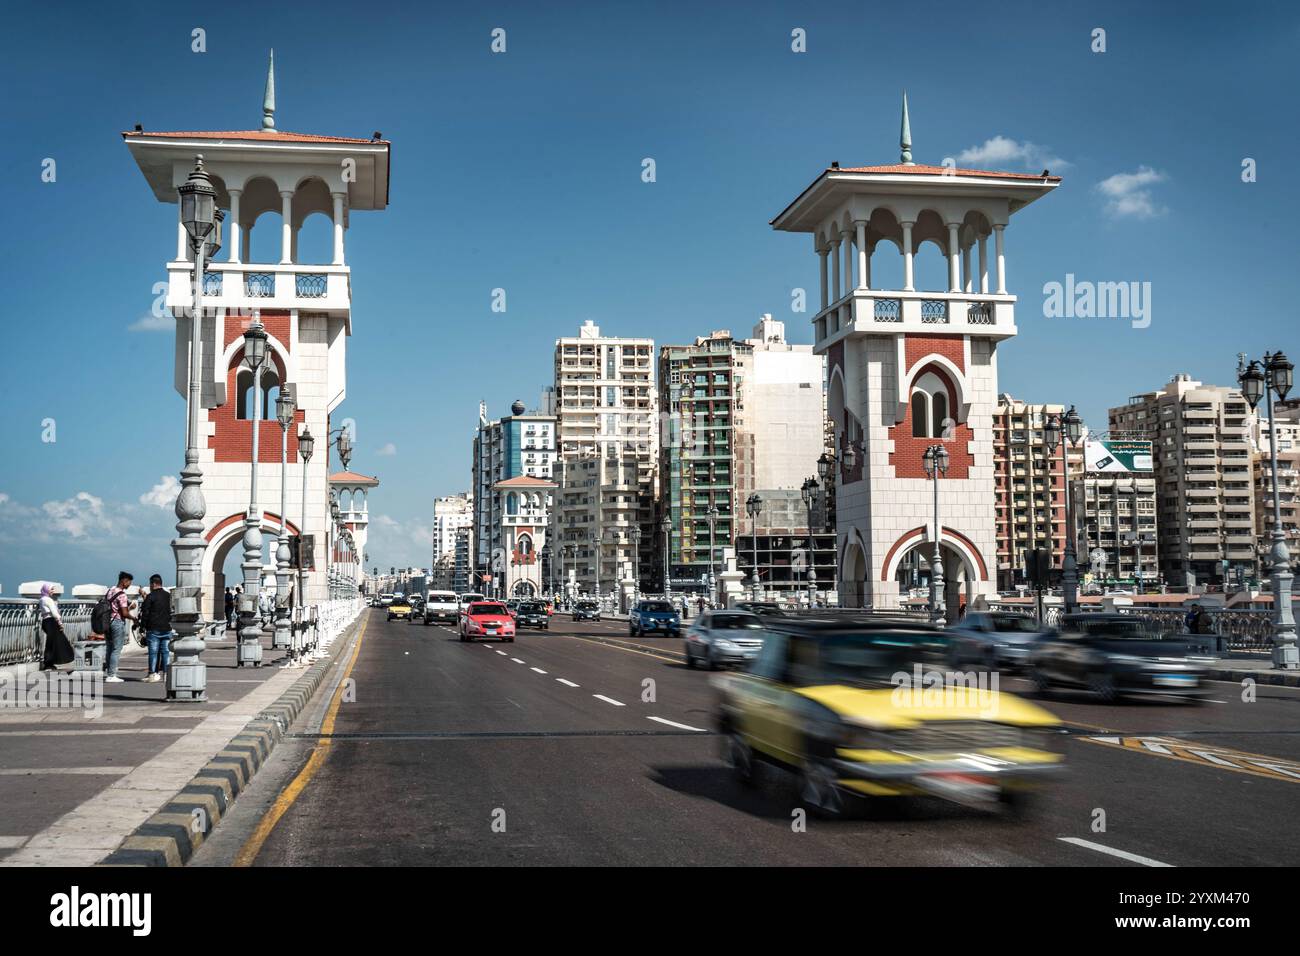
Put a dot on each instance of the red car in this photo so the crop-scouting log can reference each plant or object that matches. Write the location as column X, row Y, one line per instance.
column 487, row 619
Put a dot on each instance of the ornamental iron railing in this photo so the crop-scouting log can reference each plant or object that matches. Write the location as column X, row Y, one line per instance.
column 888, row 310
column 259, row 285
column 934, row 312
column 310, row 285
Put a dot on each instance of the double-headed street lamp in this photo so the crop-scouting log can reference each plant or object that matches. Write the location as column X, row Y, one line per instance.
column 250, row 631
column 1071, row 427
column 306, row 445
column 666, row 526
column 712, row 515
column 935, row 459
column 636, row 563
column 187, row 677
column 284, row 410
column 1274, row 376
column 753, row 507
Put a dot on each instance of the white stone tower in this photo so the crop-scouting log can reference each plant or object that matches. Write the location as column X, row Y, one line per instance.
column 908, row 368
column 266, row 179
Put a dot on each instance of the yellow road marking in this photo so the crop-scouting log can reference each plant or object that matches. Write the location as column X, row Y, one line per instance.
column 1170, row 748
column 253, row 845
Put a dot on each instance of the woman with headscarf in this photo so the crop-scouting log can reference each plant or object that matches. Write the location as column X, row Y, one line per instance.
column 58, row 649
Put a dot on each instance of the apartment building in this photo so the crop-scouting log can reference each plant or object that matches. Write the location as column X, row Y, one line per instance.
column 607, row 433
column 1118, row 534
column 742, row 415
column 450, row 513
column 1201, row 448
column 1029, row 487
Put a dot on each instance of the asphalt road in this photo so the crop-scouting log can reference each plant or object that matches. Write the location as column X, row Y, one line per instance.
column 554, row 750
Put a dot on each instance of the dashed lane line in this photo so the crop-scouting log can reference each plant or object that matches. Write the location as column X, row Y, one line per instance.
column 567, row 683
column 673, row 723
column 609, row 700
column 516, row 660
column 537, row 669
column 1111, row 851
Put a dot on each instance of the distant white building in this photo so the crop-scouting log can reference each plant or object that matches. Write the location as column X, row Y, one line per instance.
column 450, row 512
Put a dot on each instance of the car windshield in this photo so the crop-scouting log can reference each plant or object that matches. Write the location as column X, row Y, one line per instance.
column 586, row 605
column 657, row 606
column 730, row 622
column 866, row 658
column 531, row 608
column 487, row 609
column 1013, row 622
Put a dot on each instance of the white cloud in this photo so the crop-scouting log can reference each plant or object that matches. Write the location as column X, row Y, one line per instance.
column 1002, row 151
column 389, row 449
column 1128, row 195
column 81, row 516
column 152, row 323
column 163, row 494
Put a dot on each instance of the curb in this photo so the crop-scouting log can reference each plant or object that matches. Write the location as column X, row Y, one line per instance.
column 173, row 834
column 1290, row 679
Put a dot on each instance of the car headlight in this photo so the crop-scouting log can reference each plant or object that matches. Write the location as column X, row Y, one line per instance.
column 722, row 645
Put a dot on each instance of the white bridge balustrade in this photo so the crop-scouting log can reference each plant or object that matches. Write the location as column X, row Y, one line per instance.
column 867, row 311
column 245, row 286
column 21, row 638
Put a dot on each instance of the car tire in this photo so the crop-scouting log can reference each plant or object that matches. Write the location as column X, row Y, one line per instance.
column 1103, row 687
column 818, row 791
column 509, row 640
column 709, row 662
column 740, row 759
column 690, row 658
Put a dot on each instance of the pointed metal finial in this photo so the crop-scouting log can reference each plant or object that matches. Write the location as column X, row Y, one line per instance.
column 905, row 136
column 268, row 101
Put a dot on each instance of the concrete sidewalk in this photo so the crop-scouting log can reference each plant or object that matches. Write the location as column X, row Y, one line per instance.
column 1258, row 669
column 75, row 783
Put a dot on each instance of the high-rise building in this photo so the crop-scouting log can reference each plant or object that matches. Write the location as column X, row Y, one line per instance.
column 742, row 415
column 607, row 436
column 910, row 367
column 462, row 565
column 449, row 513
column 1115, row 517
column 510, row 453
column 1201, row 447
column 1029, row 487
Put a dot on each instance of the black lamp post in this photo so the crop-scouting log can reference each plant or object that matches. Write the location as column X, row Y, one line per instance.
column 1070, row 428
column 1275, row 376
column 666, row 526
column 935, row 459
column 250, row 631
column 753, row 507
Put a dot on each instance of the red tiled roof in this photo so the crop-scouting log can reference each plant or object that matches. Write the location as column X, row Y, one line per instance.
column 266, row 135
column 525, row 481
column 918, row 169
column 352, row 478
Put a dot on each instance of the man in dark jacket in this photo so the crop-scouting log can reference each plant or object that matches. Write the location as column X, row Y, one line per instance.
column 156, row 616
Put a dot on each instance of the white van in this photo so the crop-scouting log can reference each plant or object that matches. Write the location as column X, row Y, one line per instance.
column 442, row 607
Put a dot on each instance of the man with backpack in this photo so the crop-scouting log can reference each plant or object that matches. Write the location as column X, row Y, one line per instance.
column 118, row 614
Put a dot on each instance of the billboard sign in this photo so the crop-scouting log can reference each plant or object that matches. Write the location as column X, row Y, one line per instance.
column 1117, row 456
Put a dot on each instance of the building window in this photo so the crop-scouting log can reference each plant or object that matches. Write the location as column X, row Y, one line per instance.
column 930, row 407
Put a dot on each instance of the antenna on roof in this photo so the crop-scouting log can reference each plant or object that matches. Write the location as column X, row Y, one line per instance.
column 905, row 136
column 268, row 99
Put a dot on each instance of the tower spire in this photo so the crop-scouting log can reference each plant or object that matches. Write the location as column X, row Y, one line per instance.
column 268, row 100
column 905, row 136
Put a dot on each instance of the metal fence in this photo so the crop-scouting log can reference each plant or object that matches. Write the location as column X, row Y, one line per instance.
column 1242, row 629
column 21, row 637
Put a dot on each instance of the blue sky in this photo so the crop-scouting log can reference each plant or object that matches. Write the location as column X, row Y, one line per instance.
column 522, row 171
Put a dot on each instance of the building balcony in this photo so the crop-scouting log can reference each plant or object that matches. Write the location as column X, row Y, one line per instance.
column 876, row 312
column 247, row 286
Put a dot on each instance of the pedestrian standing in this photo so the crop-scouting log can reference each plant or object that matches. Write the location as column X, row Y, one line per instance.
column 58, row 649
column 156, row 618
column 230, row 608
column 118, row 623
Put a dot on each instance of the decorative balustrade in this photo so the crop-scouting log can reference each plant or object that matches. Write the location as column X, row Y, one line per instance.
column 979, row 313
column 888, row 310
column 21, row 637
column 934, row 312
column 259, row 285
column 212, row 283
column 310, row 285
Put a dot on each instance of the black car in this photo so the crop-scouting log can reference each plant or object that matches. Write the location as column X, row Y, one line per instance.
column 1113, row 655
column 761, row 608
column 532, row 614
column 586, row 611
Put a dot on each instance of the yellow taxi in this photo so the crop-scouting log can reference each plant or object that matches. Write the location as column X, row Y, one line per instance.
column 858, row 706
column 399, row 610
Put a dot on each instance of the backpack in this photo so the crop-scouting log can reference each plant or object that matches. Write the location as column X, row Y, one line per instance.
column 101, row 616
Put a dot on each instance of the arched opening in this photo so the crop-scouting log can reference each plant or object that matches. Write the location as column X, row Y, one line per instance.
column 270, row 382
column 931, row 407
column 853, row 575
column 524, row 546
column 885, row 248
column 930, row 258
column 261, row 203
column 914, row 576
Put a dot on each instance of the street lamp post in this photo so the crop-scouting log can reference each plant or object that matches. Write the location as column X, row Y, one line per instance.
column 284, row 409
column 306, row 444
column 570, row 552
column 935, row 459
column 712, row 515
column 187, row 678
column 598, row 540
column 550, row 567
column 250, row 631
column 812, row 587
column 1258, row 381
column 753, row 506
column 666, row 526
column 808, row 491
column 636, row 563
column 1069, row 428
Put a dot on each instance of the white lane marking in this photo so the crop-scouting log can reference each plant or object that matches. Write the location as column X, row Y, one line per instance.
column 538, row 669
column 1111, row 851
column 516, row 660
column 1156, row 748
column 567, row 683
column 1276, row 768
column 1106, row 740
column 609, row 700
column 503, row 653
column 673, row 723
column 1213, row 758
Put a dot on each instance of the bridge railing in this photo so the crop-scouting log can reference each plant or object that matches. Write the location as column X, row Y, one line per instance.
column 1242, row 629
column 21, row 637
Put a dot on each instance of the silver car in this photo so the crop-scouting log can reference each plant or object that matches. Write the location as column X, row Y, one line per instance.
column 723, row 637
column 1000, row 640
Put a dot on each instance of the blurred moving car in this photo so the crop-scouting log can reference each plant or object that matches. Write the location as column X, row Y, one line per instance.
column 721, row 638
column 399, row 609
column 649, row 616
column 1113, row 654
column 999, row 640
column 845, row 702
column 385, row 600
column 586, row 611
column 512, row 606
column 487, row 619
column 532, row 614
column 441, row 607
column 759, row 607
column 467, row 598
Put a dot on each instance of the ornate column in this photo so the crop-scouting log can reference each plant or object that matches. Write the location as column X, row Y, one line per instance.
column 286, row 226
column 984, row 266
column 907, row 257
column 1001, row 259
column 236, row 230
column 954, row 258
column 821, row 254
column 338, row 228
column 864, row 267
